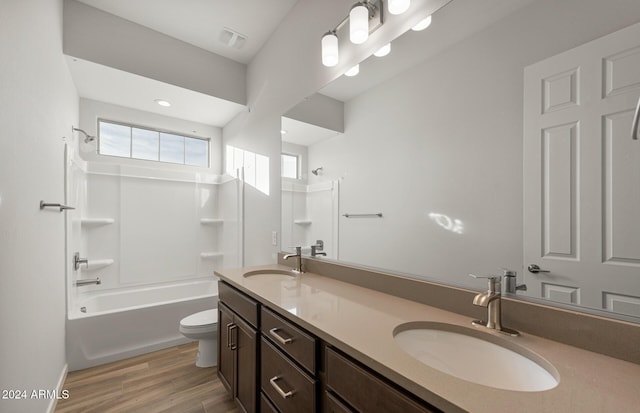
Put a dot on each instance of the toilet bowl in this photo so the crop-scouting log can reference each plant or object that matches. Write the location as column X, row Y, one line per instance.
column 203, row 326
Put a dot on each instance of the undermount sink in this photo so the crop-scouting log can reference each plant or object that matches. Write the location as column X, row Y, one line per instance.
column 270, row 272
column 476, row 356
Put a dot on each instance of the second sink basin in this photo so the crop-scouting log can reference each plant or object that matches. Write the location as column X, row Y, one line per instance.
column 476, row 356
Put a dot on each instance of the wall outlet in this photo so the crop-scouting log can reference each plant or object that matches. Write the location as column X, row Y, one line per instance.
column 274, row 238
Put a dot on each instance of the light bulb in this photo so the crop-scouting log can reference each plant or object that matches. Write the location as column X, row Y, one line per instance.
column 353, row 71
column 330, row 49
column 383, row 51
column 422, row 24
column 359, row 24
column 398, row 6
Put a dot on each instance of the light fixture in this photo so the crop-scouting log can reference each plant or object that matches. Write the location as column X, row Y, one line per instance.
column 283, row 131
column 383, row 51
column 163, row 102
column 330, row 49
column 353, row 71
column 359, row 23
column 398, row 6
column 364, row 18
column 422, row 24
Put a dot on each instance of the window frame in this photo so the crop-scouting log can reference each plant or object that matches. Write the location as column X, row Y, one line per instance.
column 298, row 157
column 159, row 131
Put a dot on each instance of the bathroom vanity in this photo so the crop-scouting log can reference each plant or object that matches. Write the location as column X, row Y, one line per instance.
column 313, row 343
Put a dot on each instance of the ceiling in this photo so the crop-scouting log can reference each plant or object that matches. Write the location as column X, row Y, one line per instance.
column 199, row 22
column 305, row 134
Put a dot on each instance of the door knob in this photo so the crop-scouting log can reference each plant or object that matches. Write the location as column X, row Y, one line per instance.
column 535, row 269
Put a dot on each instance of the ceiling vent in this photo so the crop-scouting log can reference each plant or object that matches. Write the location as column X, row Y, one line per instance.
column 231, row 38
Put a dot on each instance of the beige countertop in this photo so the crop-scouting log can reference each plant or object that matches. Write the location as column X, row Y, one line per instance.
column 360, row 322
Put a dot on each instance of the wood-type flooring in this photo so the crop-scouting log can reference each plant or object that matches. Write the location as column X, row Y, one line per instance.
column 163, row 381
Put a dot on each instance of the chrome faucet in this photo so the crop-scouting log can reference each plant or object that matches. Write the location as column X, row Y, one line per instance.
column 298, row 256
column 491, row 300
column 315, row 252
column 317, row 249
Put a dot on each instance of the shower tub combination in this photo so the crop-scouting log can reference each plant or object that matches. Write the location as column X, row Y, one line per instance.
column 114, row 325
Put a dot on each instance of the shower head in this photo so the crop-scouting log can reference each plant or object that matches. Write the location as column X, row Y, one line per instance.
column 316, row 171
column 87, row 138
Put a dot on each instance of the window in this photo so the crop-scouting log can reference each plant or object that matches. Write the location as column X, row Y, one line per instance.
column 128, row 141
column 289, row 166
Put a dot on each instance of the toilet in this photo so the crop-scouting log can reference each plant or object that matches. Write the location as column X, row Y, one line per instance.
column 203, row 326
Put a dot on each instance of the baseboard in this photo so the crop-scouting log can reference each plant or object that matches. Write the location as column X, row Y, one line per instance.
column 61, row 380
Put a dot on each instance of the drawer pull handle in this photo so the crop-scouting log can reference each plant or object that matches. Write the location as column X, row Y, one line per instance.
column 285, row 395
column 282, row 340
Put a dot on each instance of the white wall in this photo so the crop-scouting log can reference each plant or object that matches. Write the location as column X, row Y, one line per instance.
column 286, row 70
column 38, row 105
column 453, row 147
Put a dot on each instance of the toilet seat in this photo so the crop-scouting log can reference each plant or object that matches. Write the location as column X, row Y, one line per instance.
column 201, row 319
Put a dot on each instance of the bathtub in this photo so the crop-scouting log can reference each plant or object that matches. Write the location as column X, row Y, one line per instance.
column 114, row 325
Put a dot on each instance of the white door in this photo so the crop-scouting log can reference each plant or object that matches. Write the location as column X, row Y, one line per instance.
column 582, row 175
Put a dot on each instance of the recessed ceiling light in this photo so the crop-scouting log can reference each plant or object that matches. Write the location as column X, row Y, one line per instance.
column 283, row 131
column 163, row 102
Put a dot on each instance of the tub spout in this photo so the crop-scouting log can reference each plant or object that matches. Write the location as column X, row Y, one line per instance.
column 80, row 283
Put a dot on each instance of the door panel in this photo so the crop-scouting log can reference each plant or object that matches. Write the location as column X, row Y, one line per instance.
column 582, row 175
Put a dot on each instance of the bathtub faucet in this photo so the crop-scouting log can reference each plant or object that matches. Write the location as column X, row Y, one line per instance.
column 80, row 283
column 298, row 257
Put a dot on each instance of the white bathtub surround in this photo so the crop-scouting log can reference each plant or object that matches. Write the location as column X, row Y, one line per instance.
column 144, row 231
column 129, row 322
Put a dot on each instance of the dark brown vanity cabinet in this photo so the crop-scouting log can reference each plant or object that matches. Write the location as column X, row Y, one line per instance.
column 351, row 388
column 271, row 365
column 238, row 346
column 288, row 374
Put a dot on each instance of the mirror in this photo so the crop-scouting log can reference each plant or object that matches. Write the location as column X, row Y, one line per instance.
column 427, row 178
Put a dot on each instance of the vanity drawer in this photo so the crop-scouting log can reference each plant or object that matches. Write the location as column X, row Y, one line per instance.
column 333, row 405
column 266, row 406
column 364, row 391
column 290, row 339
column 244, row 306
column 289, row 388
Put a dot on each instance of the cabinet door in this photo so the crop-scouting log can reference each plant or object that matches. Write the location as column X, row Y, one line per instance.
column 225, row 353
column 245, row 345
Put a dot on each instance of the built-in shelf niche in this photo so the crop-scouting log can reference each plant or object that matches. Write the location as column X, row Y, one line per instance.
column 96, row 222
column 211, row 221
